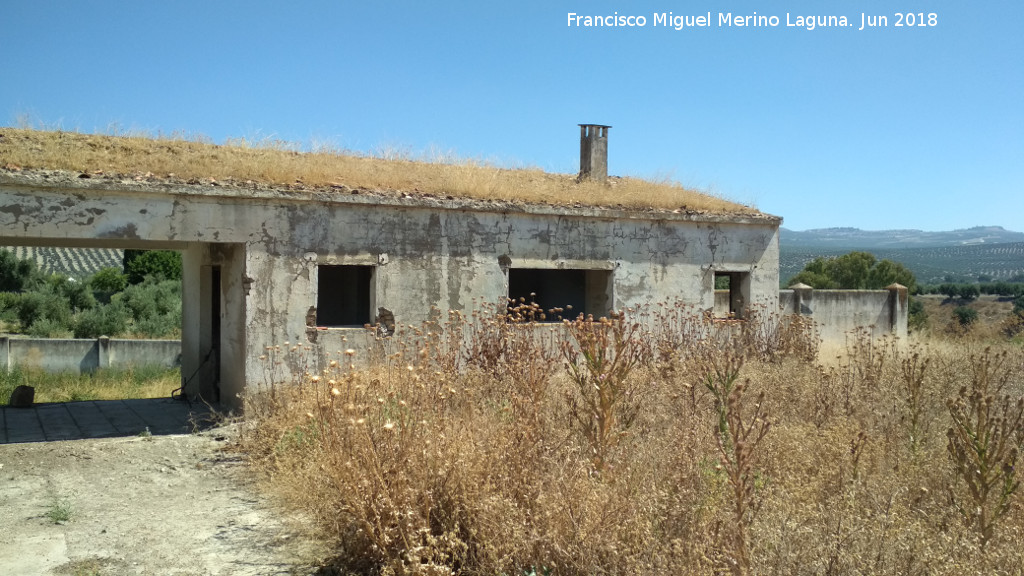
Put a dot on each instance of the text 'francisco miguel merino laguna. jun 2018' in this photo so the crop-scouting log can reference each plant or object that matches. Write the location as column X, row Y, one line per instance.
column 670, row 20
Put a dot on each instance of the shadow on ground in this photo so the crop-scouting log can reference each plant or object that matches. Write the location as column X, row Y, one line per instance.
column 103, row 419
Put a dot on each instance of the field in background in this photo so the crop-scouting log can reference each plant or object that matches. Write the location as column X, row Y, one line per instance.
column 929, row 265
column 76, row 263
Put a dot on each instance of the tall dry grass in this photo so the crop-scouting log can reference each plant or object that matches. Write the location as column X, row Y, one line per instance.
column 280, row 163
column 107, row 384
column 725, row 448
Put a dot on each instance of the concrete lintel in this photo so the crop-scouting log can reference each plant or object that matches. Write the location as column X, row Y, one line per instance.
column 563, row 264
column 361, row 259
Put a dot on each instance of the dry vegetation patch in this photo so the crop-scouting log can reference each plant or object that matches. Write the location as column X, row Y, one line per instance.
column 108, row 384
column 282, row 164
column 736, row 452
column 995, row 317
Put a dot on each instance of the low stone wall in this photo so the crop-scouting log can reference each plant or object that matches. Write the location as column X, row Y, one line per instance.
column 837, row 312
column 85, row 356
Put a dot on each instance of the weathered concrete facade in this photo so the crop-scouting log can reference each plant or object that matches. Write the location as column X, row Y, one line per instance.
column 263, row 267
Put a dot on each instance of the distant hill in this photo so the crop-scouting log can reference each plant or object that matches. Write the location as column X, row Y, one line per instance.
column 933, row 257
column 855, row 238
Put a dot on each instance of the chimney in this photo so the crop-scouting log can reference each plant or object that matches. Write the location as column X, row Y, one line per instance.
column 594, row 152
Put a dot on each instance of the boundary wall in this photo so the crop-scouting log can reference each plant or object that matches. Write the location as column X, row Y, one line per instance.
column 837, row 312
column 86, row 356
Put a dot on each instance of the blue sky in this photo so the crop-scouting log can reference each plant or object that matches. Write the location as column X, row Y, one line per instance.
column 890, row 127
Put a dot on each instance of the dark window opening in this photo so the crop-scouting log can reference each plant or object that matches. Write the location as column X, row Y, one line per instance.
column 343, row 295
column 731, row 289
column 561, row 294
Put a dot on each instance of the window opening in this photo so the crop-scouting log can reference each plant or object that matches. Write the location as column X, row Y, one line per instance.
column 344, row 295
column 731, row 290
column 561, row 294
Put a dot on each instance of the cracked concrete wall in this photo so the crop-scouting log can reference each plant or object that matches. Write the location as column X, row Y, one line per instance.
column 429, row 257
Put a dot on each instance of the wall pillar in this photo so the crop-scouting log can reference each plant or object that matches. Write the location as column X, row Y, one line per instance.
column 5, row 353
column 103, row 352
column 801, row 299
column 898, row 309
column 234, row 290
column 192, row 259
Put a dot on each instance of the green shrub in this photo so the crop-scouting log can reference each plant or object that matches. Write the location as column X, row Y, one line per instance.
column 108, row 280
column 9, row 306
column 854, row 271
column 103, row 320
column 968, row 291
column 155, row 264
column 17, row 274
column 965, row 316
column 34, row 306
column 154, row 306
column 160, row 326
column 917, row 318
column 48, row 328
column 77, row 294
column 152, row 298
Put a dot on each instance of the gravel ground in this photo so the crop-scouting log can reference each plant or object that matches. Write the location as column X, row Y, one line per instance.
column 161, row 505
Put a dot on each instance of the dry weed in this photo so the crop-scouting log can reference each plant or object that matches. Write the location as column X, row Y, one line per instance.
column 280, row 163
column 427, row 465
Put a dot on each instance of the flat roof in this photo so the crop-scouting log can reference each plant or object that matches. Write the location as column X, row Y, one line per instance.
column 273, row 170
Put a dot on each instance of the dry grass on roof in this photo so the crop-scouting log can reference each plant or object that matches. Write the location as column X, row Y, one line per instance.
column 278, row 163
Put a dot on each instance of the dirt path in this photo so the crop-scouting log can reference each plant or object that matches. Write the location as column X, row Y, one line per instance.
column 161, row 505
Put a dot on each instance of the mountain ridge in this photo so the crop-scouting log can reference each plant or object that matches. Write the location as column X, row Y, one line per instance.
column 855, row 238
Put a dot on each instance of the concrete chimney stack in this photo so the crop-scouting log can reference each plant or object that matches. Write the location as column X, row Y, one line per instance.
column 594, row 152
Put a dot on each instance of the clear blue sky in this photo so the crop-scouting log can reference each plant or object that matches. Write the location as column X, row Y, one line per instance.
column 894, row 127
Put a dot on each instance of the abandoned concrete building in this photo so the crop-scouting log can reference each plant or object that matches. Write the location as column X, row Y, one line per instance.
column 265, row 266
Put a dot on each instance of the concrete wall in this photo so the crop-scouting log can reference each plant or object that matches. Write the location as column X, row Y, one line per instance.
column 837, row 312
column 85, row 356
column 428, row 256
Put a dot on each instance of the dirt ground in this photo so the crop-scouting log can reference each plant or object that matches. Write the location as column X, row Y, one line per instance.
column 161, row 505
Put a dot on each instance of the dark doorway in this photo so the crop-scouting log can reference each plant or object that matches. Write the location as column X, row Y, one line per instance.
column 731, row 291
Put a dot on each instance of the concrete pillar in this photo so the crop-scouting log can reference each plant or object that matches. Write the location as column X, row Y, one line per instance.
column 234, row 350
column 192, row 259
column 898, row 309
column 801, row 299
column 594, row 152
column 5, row 353
column 103, row 352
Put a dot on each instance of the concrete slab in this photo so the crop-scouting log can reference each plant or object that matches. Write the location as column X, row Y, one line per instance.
column 165, row 416
column 90, row 420
column 123, row 418
column 23, row 425
column 101, row 419
column 57, row 422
